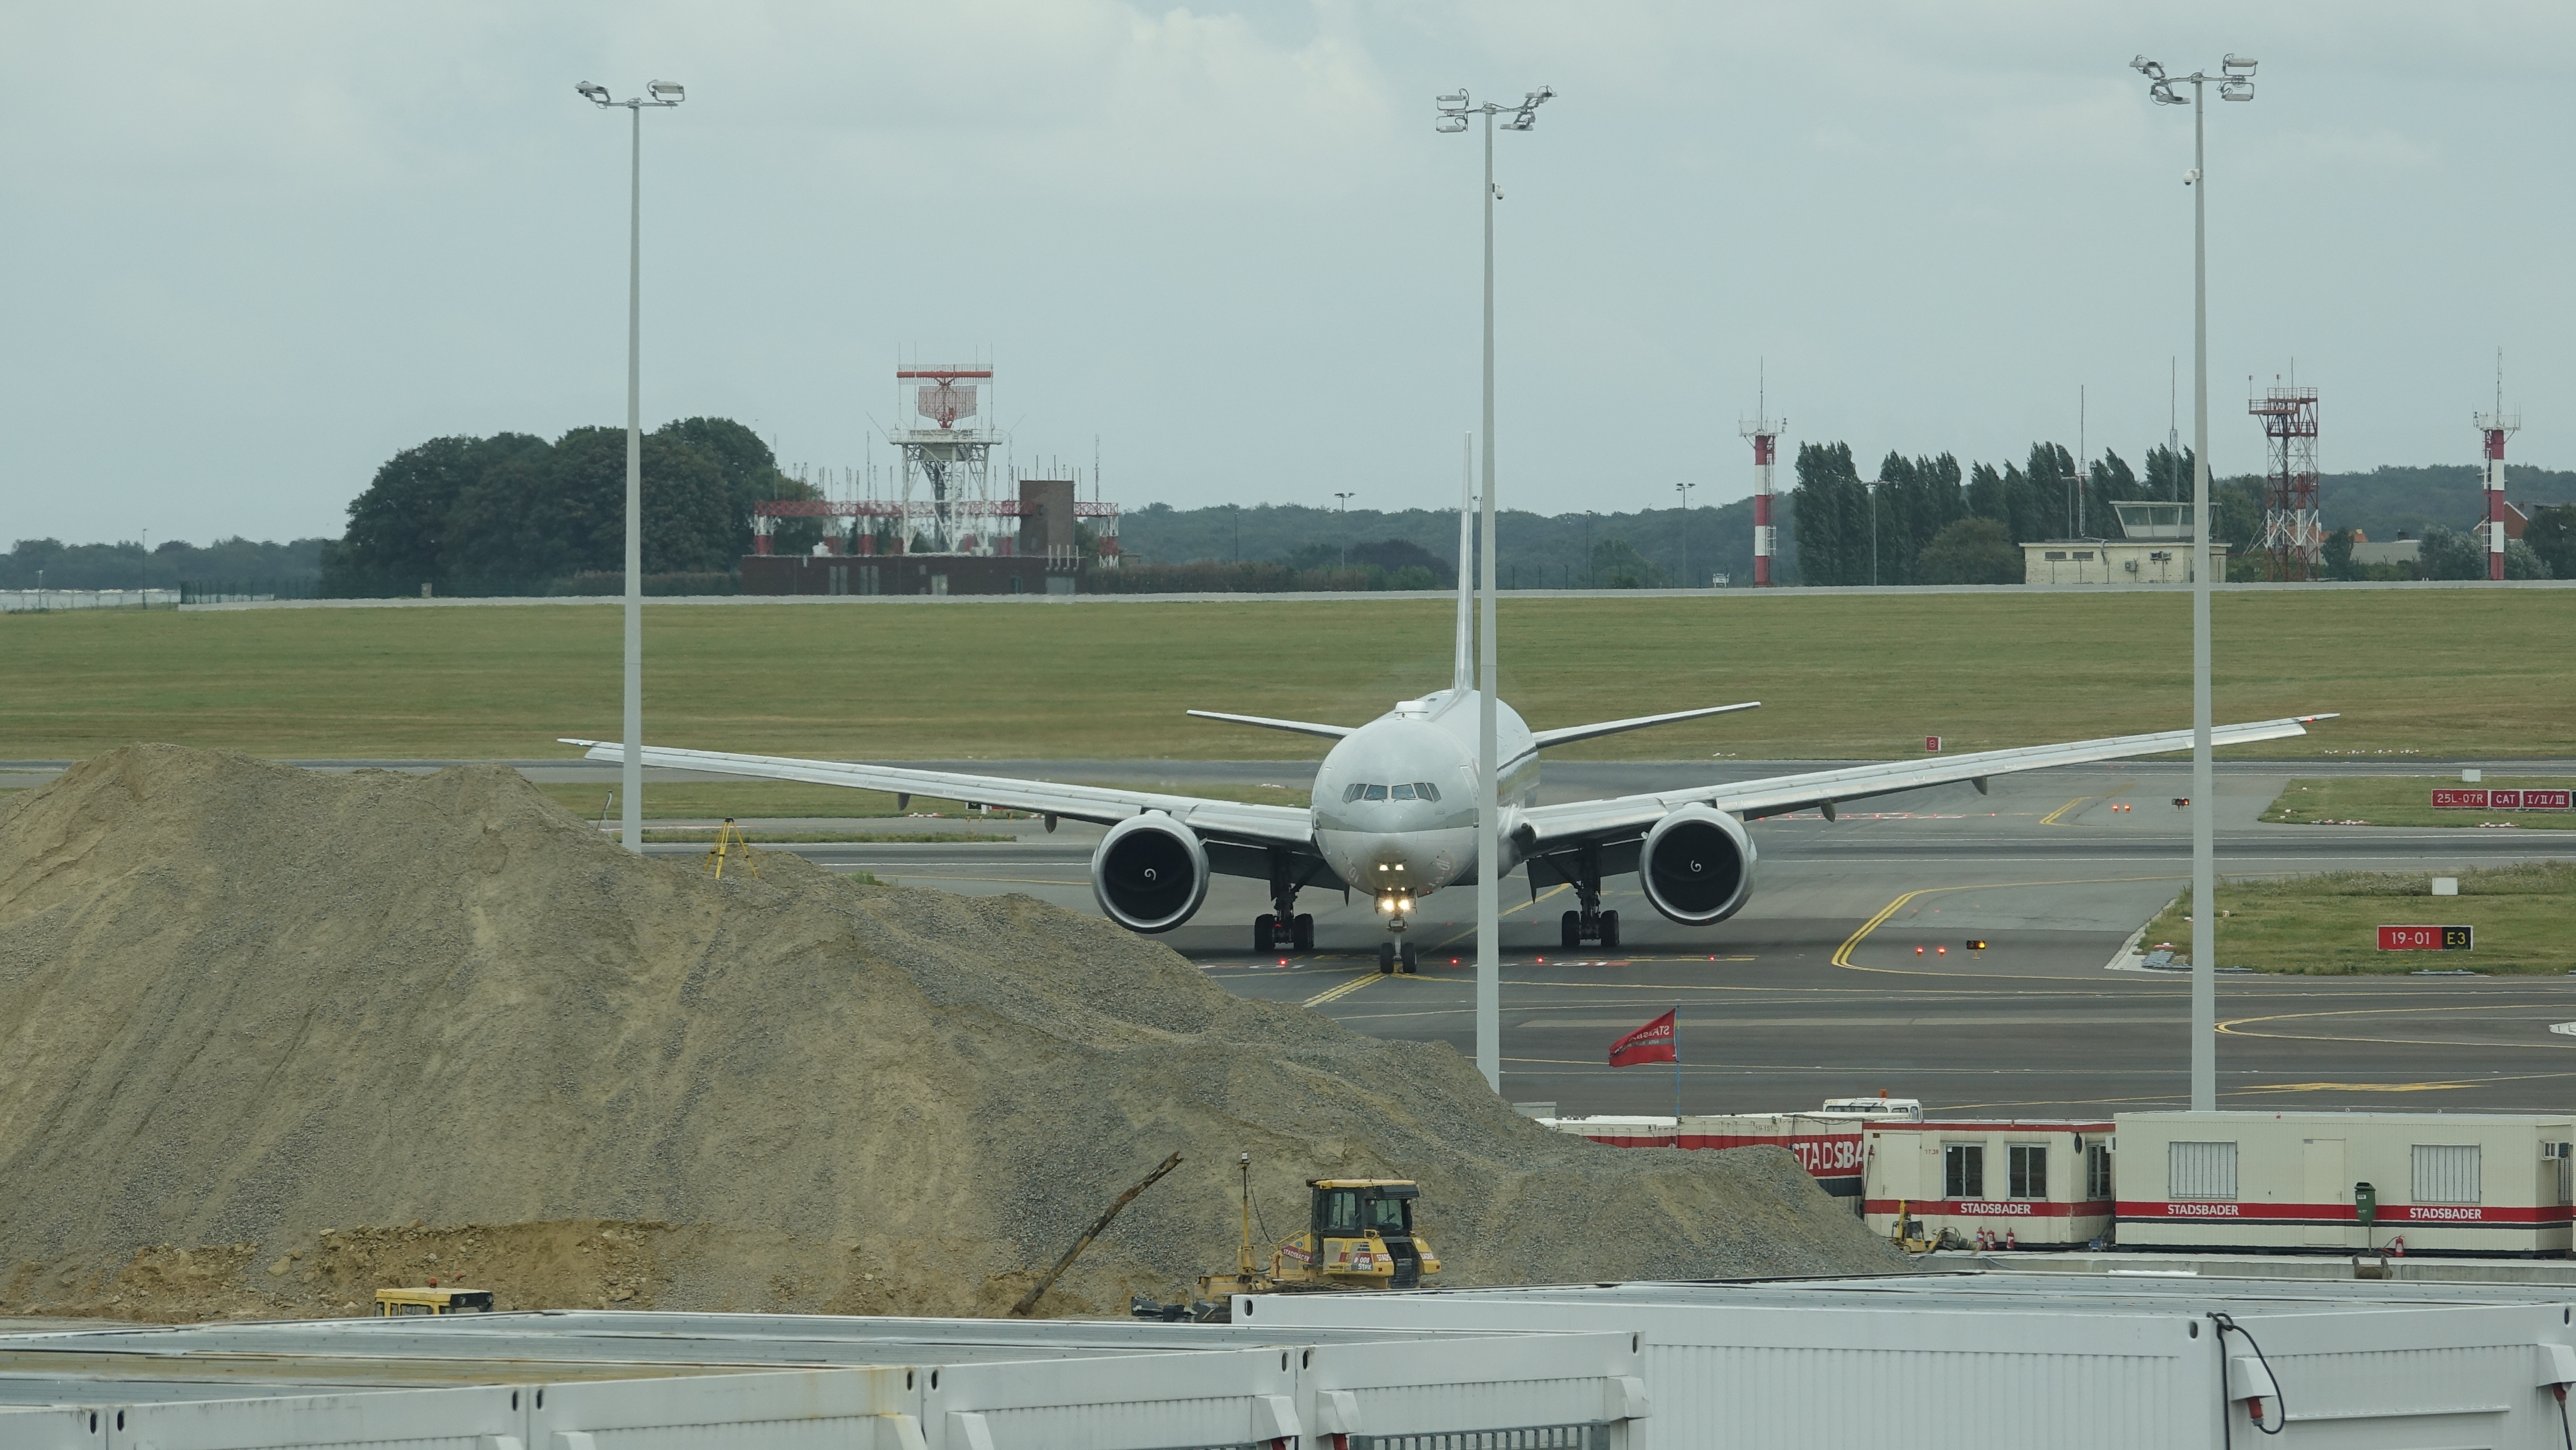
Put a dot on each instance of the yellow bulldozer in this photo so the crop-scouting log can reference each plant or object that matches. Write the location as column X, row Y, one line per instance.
column 1359, row 1234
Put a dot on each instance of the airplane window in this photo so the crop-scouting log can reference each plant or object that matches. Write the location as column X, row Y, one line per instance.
column 1426, row 790
column 1377, row 792
column 1353, row 793
column 1404, row 792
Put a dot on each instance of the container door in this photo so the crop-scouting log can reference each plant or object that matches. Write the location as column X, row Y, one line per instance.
column 2328, row 1187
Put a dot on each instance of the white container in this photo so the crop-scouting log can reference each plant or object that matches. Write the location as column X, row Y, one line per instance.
column 2037, row 1184
column 645, row 1381
column 2445, row 1182
column 2040, row 1362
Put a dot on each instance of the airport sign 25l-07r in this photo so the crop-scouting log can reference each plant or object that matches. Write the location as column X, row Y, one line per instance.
column 2459, row 798
column 2427, row 938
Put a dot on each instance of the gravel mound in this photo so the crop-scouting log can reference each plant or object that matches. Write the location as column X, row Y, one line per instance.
column 242, row 1004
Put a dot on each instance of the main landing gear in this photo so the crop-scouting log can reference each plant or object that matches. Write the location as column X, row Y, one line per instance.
column 1590, row 925
column 1283, row 928
column 1283, row 932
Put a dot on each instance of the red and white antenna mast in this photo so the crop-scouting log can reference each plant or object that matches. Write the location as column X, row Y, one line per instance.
column 1764, row 430
column 2497, row 426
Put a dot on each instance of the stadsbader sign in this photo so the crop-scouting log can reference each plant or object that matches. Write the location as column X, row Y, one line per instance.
column 2427, row 938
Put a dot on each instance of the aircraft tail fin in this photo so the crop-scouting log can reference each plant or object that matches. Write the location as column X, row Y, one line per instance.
column 1462, row 676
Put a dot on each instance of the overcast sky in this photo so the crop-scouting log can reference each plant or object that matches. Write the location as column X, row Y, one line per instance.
column 252, row 250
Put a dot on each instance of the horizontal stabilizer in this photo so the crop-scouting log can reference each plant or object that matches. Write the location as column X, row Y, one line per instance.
column 1571, row 733
column 1299, row 727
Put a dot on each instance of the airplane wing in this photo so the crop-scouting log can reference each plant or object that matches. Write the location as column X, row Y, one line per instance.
column 1544, row 738
column 1299, row 727
column 1622, row 816
column 1235, row 821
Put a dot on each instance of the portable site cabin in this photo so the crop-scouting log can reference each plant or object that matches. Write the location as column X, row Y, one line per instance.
column 2029, row 1184
column 2448, row 1182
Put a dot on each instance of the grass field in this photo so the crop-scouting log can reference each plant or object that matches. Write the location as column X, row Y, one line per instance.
column 2328, row 925
column 2407, row 801
column 2440, row 672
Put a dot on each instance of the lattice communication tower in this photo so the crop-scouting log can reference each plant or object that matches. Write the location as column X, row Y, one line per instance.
column 2293, row 536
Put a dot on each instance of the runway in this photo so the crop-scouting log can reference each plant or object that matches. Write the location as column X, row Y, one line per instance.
column 1817, row 989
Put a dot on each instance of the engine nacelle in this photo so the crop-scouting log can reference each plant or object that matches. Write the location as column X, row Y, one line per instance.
column 1697, row 866
column 1150, row 873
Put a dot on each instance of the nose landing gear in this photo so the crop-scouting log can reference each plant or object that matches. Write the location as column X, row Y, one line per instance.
column 1390, row 956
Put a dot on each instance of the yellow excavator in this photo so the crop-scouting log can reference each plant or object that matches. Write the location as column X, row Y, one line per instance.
column 1359, row 1234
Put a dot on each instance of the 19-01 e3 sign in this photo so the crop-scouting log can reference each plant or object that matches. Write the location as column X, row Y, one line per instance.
column 2427, row 938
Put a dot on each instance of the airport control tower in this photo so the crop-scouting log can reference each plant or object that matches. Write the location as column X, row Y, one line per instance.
column 953, row 462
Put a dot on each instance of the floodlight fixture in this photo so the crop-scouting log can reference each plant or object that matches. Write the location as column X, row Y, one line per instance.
column 1451, row 124
column 594, row 93
column 2233, row 89
column 2162, row 93
column 2150, row 69
column 2242, row 65
column 1528, row 114
column 666, row 93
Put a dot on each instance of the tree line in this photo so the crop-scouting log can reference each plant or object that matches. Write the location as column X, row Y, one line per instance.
column 1931, row 522
column 515, row 514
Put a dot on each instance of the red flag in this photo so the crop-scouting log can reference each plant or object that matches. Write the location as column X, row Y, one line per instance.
column 1650, row 1043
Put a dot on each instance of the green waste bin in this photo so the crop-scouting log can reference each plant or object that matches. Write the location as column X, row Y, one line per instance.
column 2365, row 1204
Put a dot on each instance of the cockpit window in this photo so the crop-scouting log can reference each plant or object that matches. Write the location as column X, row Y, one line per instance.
column 1417, row 790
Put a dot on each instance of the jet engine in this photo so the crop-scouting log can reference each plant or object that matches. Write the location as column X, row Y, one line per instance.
column 1697, row 866
column 1150, row 873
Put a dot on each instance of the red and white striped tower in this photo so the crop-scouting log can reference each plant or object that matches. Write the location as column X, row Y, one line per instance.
column 2497, row 426
column 1765, row 433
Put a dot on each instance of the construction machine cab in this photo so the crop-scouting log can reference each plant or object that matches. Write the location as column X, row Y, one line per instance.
column 395, row 1303
column 1360, row 1235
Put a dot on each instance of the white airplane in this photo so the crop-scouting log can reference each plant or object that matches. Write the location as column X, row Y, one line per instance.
column 1393, row 814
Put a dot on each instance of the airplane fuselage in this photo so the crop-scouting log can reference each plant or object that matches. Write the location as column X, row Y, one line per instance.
column 1394, row 807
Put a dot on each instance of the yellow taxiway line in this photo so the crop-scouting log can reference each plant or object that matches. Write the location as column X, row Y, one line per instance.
column 1842, row 954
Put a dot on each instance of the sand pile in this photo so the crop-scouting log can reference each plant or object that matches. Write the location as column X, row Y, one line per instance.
column 316, row 1033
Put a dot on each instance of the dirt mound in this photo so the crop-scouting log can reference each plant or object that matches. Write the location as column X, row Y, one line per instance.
column 242, row 1004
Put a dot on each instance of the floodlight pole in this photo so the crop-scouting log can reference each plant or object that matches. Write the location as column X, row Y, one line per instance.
column 1345, row 530
column 630, row 773
column 2204, row 770
column 2235, row 84
column 1454, row 111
